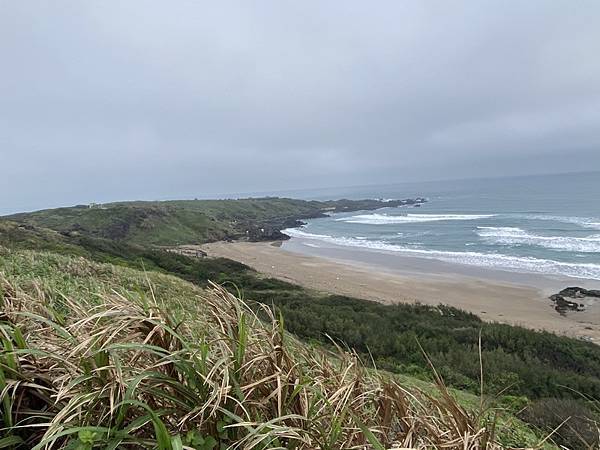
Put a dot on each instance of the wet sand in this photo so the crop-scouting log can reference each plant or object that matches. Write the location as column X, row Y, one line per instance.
column 492, row 296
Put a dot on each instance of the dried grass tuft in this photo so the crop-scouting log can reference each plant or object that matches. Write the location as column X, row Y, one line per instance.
column 140, row 373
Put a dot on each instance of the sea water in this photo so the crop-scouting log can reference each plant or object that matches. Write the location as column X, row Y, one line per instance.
column 539, row 224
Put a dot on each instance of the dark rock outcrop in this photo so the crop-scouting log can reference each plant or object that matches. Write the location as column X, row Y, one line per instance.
column 266, row 234
column 577, row 292
column 562, row 305
column 270, row 230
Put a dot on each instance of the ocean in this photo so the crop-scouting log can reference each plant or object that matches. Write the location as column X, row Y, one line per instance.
column 546, row 224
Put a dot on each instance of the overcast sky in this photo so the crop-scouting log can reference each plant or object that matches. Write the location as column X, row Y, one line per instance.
column 139, row 99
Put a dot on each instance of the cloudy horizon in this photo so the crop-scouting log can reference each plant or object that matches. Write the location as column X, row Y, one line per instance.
column 107, row 101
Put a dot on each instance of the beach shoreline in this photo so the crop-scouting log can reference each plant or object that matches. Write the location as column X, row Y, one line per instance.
column 504, row 297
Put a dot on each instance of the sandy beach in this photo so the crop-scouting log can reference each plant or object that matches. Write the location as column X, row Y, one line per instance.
column 523, row 303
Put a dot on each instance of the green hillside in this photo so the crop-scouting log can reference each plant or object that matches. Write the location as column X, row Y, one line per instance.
column 103, row 356
column 189, row 221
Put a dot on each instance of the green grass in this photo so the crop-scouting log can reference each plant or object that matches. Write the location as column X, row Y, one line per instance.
column 103, row 356
column 59, row 276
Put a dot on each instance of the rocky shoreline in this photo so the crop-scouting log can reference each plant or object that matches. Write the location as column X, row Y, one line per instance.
column 272, row 229
column 562, row 305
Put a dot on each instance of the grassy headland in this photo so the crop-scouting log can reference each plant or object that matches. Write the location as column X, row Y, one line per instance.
column 191, row 221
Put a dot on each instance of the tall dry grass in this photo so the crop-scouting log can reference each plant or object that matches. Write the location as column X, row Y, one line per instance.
column 120, row 372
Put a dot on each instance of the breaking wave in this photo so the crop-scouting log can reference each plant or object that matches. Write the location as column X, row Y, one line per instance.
column 517, row 236
column 384, row 219
column 490, row 260
column 584, row 222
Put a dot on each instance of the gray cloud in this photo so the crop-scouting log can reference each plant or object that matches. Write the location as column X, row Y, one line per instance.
column 149, row 99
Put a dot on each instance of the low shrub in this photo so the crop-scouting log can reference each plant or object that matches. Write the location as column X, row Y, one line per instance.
column 572, row 423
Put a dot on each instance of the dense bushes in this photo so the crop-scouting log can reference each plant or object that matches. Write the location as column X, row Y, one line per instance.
column 574, row 425
column 516, row 360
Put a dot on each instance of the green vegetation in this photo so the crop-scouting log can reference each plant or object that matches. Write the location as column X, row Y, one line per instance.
column 101, row 356
column 522, row 368
column 576, row 423
column 189, row 221
column 517, row 361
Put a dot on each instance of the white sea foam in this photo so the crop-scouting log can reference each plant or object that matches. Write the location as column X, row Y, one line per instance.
column 491, row 260
column 517, row 236
column 384, row 219
column 298, row 232
column 584, row 222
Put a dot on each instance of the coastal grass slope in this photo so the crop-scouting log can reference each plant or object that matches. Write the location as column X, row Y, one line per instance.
column 99, row 356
